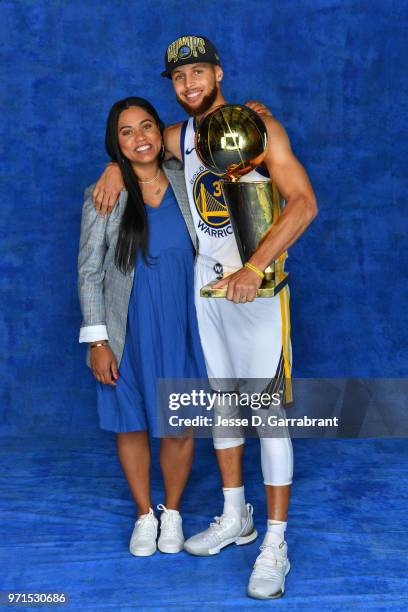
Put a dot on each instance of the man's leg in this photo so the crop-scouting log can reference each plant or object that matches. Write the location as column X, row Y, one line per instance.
column 277, row 470
column 235, row 524
column 265, row 354
column 230, row 464
column 267, row 580
column 229, row 453
column 277, row 498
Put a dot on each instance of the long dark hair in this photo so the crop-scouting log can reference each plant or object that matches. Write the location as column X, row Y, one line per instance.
column 133, row 229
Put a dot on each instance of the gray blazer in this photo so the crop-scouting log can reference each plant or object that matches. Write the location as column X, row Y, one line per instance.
column 104, row 291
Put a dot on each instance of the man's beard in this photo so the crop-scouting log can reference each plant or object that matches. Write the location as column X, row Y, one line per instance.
column 205, row 105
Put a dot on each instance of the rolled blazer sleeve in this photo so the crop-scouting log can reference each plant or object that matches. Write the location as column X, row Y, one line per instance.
column 92, row 251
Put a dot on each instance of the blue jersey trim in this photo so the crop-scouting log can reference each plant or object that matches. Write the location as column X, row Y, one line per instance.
column 182, row 138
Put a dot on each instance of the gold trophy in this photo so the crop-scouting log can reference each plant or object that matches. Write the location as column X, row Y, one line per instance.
column 231, row 141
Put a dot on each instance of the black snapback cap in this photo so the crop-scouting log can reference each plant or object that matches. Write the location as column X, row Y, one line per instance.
column 189, row 50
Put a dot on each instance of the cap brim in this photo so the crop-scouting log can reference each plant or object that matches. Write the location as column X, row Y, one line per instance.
column 165, row 73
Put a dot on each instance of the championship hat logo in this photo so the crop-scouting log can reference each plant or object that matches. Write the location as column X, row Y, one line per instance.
column 189, row 50
column 209, row 200
column 185, row 47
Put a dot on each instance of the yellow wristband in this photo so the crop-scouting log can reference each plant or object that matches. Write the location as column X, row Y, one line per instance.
column 257, row 271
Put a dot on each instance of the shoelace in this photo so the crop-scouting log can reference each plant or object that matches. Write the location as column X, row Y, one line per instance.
column 145, row 523
column 220, row 522
column 169, row 520
column 270, row 562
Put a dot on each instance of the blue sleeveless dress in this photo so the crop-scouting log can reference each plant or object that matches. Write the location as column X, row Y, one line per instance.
column 162, row 338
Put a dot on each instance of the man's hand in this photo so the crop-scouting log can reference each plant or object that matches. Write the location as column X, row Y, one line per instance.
column 104, row 365
column 242, row 286
column 259, row 108
column 107, row 189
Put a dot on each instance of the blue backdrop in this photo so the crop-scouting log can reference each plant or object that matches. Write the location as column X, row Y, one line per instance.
column 331, row 71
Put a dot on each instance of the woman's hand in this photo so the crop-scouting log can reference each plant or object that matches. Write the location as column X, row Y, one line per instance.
column 108, row 188
column 104, row 365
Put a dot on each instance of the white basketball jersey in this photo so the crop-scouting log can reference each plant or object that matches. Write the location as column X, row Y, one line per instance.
column 210, row 214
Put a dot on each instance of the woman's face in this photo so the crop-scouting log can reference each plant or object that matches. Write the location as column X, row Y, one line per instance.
column 139, row 135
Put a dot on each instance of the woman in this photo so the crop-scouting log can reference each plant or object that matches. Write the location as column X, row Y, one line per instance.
column 136, row 292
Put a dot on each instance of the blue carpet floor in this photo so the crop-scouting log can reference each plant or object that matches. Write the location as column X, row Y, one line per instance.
column 66, row 517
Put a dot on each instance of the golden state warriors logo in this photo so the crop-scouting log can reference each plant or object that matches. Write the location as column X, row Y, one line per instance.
column 209, row 200
column 184, row 52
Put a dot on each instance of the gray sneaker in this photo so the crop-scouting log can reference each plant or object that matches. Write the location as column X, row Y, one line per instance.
column 227, row 529
column 143, row 540
column 267, row 580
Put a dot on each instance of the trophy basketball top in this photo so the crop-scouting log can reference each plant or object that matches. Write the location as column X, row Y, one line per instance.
column 231, row 140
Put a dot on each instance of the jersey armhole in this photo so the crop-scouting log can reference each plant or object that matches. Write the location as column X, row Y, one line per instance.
column 182, row 139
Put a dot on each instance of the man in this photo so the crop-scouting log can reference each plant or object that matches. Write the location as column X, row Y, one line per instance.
column 242, row 337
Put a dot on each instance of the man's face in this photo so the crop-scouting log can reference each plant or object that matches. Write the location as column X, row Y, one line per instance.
column 196, row 86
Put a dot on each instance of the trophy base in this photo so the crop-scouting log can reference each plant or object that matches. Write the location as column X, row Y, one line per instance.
column 269, row 288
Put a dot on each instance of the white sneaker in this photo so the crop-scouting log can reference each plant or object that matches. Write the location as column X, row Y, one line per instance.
column 226, row 530
column 143, row 540
column 171, row 538
column 267, row 580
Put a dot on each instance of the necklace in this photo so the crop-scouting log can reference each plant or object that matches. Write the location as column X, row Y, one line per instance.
column 152, row 180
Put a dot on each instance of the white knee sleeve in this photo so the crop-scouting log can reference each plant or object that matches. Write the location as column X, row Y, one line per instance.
column 221, row 443
column 277, row 461
column 227, row 436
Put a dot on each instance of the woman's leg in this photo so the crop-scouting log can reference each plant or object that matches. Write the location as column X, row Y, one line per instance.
column 134, row 455
column 176, row 458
